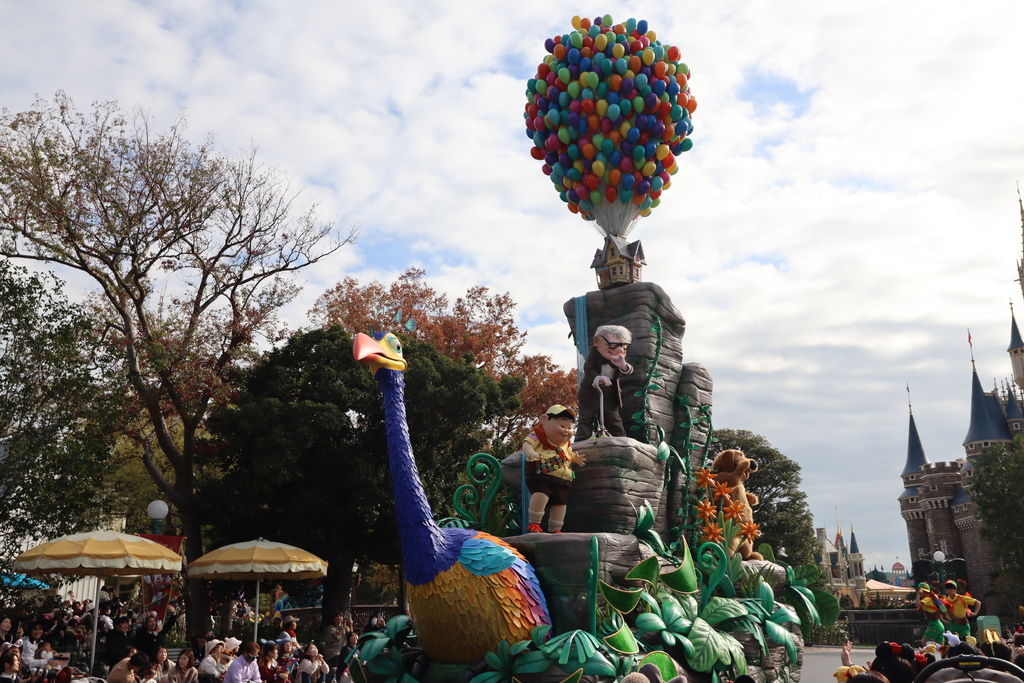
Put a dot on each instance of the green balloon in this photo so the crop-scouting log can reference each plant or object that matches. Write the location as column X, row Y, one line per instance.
column 687, row 145
column 593, row 80
column 576, row 38
column 564, row 75
column 638, row 104
column 573, row 90
column 595, row 197
column 563, row 135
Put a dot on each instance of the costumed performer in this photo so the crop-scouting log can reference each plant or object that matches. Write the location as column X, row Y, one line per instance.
column 549, row 460
column 605, row 363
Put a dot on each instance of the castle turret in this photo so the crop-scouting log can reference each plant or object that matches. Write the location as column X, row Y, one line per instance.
column 988, row 423
column 910, row 507
column 1014, row 416
column 1016, row 351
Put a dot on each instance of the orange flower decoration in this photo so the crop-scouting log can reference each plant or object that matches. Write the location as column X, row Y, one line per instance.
column 750, row 530
column 706, row 510
column 735, row 510
column 705, row 477
column 712, row 533
column 721, row 490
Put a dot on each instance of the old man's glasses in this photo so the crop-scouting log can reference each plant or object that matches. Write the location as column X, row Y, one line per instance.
column 615, row 345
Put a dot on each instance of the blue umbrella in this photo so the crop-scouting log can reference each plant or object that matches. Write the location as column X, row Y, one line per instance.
column 21, row 581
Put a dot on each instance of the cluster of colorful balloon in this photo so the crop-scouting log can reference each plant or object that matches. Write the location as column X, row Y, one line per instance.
column 608, row 112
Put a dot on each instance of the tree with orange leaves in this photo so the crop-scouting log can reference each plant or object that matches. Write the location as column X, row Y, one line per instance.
column 478, row 323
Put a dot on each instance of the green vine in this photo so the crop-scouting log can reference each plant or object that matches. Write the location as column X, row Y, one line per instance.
column 485, row 503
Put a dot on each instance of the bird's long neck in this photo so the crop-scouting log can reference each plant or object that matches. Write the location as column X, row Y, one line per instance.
column 422, row 540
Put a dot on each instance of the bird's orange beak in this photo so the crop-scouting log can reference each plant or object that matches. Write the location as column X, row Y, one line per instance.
column 378, row 354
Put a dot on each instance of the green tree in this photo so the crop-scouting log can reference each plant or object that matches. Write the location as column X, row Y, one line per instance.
column 782, row 513
column 302, row 454
column 997, row 489
column 54, row 419
column 188, row 249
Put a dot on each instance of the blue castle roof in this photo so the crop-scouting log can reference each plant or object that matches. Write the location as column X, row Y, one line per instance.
column 909, row 492
column 853, row 542
column 1015, row 340
column 987, row 420
column 960, row 498
column 1013, row 408
column 916, row 459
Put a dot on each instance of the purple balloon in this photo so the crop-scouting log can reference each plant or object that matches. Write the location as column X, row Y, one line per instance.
column 658, row 129
column 651, row 100
column 641, row 120
column 553, row 94
column 574, row 71
column 626, row 87
column 543, row 103
column 643, row 187
column 564, row 159
column 574, row 120
column 551, row 158
column 625, row 148
column 646, row 71
column 549, row 44
column 573, row 197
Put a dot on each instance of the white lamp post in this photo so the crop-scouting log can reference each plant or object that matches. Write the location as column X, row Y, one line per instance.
column 157, row 511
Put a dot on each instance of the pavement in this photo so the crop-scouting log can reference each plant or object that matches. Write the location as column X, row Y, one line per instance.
column 820, row 662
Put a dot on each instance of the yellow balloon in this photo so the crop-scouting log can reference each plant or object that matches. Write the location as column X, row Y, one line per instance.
column 645, row 213
column 670, row 70
column 629, row 74
column 598, row 167
column 578, row 165
column 601, row 107
column 649, row 168
column 618, row 50
column 624, row 128
column 647, row 56
column 661, row 152
column 652, row 36
column 601, row 41
column 576, row 22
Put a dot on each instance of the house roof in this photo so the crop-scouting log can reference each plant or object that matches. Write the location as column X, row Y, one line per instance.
column 630, row 250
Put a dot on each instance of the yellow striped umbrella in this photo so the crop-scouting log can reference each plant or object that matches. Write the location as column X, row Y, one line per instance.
column 259, row 559
column 99, row 554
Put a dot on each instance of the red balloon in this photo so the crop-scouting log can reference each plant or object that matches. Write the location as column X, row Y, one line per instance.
column 588, row 107
column 592, row 181
column 611, row 194
column 537, row 153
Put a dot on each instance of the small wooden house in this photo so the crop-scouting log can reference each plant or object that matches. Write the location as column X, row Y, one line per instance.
column 618, row 263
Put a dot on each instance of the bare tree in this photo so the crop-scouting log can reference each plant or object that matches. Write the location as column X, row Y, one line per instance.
column 190, row 250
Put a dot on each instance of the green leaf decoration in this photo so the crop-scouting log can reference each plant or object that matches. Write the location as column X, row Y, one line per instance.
column 682, row 579
column 805, row 575
column 766, row 595
column 784, row 615
column 622, row 600
column 650, row 622
column 689, row 605
column 767, row 552
column 373, row 646
column 827, row 606
column 780, row 635
column 538, row 634
column 622, row 641
column 533, row 662
column 386, row 665
column 663, row 451
column 355, row 670
column 518, row 647
column 664, row 663
column 647, row 571
column 736, row 654
column 709, row 647
column 578, row 649
column 719, row 609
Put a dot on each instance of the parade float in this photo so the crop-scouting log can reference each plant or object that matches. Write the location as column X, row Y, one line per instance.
column 656, row 573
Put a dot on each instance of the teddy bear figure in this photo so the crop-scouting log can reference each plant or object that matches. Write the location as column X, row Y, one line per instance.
column 733, row 467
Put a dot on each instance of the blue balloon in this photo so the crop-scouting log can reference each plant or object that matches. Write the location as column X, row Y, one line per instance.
column 633, row 135
column 628, row 180
column 641, row 27
column 574, row 56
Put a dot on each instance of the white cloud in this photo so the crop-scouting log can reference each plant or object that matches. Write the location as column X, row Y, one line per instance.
column 825, row 251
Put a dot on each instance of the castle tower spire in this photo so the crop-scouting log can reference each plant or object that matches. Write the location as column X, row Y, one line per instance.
column 988, row 423
column 916, row 459
column 1016, row 350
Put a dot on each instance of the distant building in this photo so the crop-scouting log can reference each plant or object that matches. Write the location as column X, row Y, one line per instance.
column 936, row 502
column 842, row 567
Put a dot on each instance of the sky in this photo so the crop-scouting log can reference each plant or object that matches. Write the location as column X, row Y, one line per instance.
column 849, row 208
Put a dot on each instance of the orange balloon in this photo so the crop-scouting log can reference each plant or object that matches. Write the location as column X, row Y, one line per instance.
column 594, row 122
column 680, row 79
column 587, row 52
column 614, row 176
column 638, row 198
column 615, row 136
column 573, row 207
column 635, row 64
column 615, row 82
column 588, row 151
column 691, row 106
column 659, row 69
column 560, row 52
column 584, row 23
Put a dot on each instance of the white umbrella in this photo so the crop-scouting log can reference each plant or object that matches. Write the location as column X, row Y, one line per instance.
column 99, row 554
column 259, row 559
